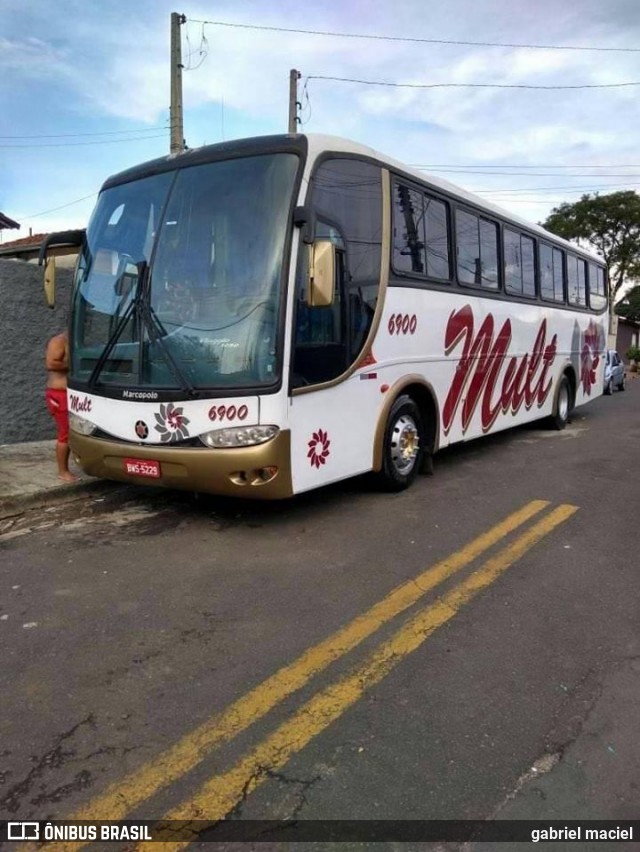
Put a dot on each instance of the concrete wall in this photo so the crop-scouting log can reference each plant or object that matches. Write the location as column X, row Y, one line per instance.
column 26, row 324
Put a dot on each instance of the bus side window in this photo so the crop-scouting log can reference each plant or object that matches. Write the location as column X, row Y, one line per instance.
column 577, row 279
column 477, row 241
column 519, row 264
column 552, row 277
column 597, row 288
column 558, row 275
column 408, row 237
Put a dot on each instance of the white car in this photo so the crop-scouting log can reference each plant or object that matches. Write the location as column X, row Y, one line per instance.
column 614, row 372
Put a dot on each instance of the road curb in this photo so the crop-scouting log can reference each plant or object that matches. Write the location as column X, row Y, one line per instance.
column 20, row 503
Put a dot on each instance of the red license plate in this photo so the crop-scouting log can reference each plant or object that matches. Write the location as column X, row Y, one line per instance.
column 142, row 467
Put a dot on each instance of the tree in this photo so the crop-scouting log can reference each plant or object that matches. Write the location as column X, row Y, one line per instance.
column 610, row 224
column 629, row 306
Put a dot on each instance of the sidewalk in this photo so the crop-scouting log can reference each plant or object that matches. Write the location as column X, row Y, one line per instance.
column 29, row 478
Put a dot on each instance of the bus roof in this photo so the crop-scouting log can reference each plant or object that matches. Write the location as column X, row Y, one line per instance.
column 316, row 144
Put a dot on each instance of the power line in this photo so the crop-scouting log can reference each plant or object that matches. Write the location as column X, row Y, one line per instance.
column 568, row 188
column 531, row 201
column 101, row 133
column 468, row 85
column 202, row 51
column 94, row 142
column 61, row 207
column 527, row 174
column 505, row 166
column 415, row 40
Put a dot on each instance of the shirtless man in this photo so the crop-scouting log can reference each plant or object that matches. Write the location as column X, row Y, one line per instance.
column 57, row 361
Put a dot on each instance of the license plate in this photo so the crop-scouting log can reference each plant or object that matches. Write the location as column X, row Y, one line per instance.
column 142, row 467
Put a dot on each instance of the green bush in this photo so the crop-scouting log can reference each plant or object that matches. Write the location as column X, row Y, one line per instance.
column 633, row 353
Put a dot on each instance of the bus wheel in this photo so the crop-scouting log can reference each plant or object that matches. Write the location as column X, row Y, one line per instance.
column 404, row 445
column 560, row 416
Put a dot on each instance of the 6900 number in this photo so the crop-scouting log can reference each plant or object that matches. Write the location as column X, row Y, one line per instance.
column 402, row 323
column 228, row 412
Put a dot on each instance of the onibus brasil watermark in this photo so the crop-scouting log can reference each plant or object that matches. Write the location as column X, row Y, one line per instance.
column 363, row 831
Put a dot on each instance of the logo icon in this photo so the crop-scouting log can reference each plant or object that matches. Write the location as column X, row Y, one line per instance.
column 171, row 423
column 142, row 430
column 318, row 448
column 23, row 831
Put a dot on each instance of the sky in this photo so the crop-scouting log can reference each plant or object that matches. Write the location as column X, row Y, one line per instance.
column 84, row 92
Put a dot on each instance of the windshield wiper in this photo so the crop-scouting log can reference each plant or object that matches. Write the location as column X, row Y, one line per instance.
column 139, row 307
column 157, row 333
column 130, row 312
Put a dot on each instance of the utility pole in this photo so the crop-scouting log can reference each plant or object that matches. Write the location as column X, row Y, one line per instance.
column 175, row 110
column 294, row 104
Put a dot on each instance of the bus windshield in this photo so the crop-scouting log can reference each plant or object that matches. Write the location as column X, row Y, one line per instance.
column 179, row 281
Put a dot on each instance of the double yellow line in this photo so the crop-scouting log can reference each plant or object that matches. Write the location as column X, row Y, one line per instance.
column 222, row 792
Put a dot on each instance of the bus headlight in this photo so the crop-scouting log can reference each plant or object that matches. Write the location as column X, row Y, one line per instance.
column 80, row 425
column 239, row 436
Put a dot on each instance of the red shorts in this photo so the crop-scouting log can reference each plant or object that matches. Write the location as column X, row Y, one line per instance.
column 56, row 399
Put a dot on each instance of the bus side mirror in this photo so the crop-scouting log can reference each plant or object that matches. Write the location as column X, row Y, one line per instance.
column 60, row 238
column 50, row 281
column 322, row 274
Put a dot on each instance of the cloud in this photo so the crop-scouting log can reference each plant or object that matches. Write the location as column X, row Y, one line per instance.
column 31, row 58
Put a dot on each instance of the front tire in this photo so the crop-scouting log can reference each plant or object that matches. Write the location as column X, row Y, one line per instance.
column 405, row 443
column 608, row 388
column 623, row 384
column 562, row 408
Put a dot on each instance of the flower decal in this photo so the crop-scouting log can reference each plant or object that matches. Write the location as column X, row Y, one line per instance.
column 171, row 423
column 318, row 448
column 592, row 346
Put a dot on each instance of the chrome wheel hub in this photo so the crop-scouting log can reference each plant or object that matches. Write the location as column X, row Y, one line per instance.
column 405, row 443
column 563, row 403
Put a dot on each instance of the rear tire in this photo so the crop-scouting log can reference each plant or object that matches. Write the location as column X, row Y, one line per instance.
column 562, row 408
column 608, row 388
column 623, row 384
column 405, row 443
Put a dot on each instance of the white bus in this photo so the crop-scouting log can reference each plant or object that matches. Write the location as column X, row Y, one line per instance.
column 262, row 317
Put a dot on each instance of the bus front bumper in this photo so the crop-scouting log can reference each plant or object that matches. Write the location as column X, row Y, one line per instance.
column 261, row 472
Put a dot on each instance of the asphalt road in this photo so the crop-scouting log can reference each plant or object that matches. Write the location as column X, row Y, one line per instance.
column 469, row 649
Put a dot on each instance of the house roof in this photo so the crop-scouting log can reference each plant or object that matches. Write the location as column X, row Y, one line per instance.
column 25, row 247
column 6, row 222
column 24, row 242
